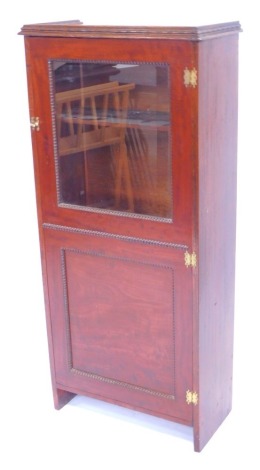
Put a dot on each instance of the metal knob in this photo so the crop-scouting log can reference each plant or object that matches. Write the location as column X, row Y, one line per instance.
column 35, row 123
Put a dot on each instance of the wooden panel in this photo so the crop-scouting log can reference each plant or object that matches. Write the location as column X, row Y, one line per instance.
column 116, row 315
column 216, row 243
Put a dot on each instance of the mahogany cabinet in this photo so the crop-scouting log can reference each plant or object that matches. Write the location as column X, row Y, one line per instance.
column 134, row 133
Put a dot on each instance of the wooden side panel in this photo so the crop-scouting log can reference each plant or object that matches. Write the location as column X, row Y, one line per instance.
column 216, row 234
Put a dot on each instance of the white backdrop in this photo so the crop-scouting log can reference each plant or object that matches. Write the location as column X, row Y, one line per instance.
column 87, row 434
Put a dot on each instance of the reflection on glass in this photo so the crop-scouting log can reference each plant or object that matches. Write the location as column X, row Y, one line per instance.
column 112, row 134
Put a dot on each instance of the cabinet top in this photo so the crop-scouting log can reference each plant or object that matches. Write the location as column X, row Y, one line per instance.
column 76, row 29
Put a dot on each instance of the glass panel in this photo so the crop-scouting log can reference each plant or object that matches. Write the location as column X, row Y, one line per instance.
column 112, row 136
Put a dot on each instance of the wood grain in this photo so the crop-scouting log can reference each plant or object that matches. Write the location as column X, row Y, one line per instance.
column 127, row 321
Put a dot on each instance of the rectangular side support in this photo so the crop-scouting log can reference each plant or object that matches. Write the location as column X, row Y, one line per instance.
column 216, row 219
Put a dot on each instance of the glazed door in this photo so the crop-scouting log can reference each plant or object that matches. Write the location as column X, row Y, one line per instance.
column 114, row 184
column 115, row 145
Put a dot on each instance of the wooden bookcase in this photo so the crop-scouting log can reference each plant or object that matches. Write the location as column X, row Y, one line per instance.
column 134, row 133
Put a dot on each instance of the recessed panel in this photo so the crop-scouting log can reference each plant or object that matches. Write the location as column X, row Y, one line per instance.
column 120, row 319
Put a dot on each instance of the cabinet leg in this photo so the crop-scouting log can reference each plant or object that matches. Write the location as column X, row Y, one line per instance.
column 61, row 398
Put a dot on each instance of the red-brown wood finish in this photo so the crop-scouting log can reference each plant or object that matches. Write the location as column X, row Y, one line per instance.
column 215, row 238
column 121, row 309
column 39, row 51
column 127, row 321
column 76, row 29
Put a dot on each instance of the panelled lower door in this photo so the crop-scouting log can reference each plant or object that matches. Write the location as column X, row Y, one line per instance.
column 114, row 185
column 120, row 320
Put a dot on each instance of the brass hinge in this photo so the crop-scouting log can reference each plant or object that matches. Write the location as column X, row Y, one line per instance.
column 192, row 398
column 190, row 259
column 35, row 123
column 190, row 77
